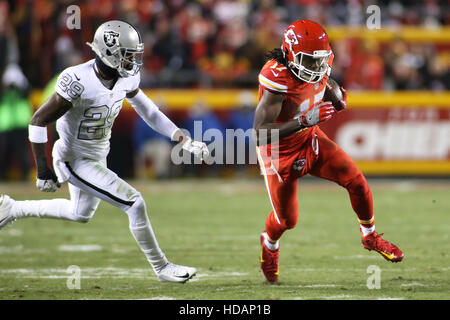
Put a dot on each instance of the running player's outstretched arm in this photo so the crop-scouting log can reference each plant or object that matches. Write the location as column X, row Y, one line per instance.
column 54, row 108
column 159, row 122
column 268, row 110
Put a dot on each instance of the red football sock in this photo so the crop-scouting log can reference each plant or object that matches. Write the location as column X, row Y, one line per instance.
column 273, row 228
column 361, row 200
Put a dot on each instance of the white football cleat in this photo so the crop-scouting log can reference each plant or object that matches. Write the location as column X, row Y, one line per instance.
column 6, row 204
column 175, row 273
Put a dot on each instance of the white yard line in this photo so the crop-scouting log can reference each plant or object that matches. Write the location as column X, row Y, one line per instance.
column 15, row 249
column 319, row 286
column 80, row 248
column 86, row 273
column 337, row 297
column 415, row 284
column 157, row 298
column 359, row 256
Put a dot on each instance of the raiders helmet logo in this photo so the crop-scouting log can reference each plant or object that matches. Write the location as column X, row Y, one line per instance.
column 111, row 38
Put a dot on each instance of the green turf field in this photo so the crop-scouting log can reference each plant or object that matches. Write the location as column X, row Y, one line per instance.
column 214, row 225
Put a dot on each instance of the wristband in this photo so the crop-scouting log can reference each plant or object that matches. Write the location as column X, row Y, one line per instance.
column 37, row 134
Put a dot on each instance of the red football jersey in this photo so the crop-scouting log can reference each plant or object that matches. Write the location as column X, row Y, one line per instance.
column 299, row 96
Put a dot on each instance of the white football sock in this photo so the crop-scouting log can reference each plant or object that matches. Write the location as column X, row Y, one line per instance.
column 54, row 209
column 142, row 231
column 146, row 240
column 270, row 245
column 365, row 231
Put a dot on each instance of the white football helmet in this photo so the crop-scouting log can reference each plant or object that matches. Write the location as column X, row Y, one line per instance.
column 118, row 45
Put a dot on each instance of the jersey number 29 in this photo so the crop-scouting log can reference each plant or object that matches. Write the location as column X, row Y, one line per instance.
column 98, row 122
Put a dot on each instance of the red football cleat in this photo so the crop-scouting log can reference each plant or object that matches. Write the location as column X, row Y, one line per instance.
column 389, row 251
column 269, row 261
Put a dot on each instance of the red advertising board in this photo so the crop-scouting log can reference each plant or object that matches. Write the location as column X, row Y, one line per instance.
column 397, row 140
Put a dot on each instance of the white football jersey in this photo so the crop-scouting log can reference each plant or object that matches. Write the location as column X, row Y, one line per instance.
column 85, row 130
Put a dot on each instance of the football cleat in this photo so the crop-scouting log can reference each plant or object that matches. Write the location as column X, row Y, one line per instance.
column 389, row 251
column 269, row 261
column 6, row 204
column 175, row 273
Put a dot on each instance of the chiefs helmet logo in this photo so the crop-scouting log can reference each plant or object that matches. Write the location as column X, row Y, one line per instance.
column 290, row 37
column 111, row 38
column 299, row 164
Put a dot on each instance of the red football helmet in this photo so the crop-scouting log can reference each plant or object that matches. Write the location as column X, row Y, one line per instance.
column 307, row 51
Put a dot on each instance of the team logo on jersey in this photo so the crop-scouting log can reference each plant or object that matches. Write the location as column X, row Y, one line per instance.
column 111, row 38
column 299, row 164
column 290, row 37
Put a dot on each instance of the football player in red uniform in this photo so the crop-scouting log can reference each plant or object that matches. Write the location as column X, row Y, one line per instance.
column 290, row 144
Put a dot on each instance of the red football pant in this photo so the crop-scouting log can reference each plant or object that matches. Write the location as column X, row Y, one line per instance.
column 328, row 162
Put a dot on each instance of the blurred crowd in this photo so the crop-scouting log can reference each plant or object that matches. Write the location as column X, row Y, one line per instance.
column 200, row 44
column 211, row 43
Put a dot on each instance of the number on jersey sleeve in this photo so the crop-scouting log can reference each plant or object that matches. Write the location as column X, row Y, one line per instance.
column 72, row 88
column 307, row 103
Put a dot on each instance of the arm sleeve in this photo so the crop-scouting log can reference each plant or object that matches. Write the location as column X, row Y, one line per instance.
column 151, row 114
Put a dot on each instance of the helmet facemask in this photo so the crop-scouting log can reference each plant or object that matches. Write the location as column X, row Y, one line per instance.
column 310, row 68
column 131, row 61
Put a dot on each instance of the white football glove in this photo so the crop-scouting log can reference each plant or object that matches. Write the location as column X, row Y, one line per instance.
column 47, row 185
column 199, row 149
column 47, row 180
column 319, row 112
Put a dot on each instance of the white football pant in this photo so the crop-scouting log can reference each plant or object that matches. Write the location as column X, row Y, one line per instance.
column 89, row 182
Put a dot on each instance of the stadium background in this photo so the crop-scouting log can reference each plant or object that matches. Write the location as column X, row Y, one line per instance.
column 202, row 59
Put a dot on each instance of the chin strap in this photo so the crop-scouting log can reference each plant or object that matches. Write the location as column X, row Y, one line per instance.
column 108, row 71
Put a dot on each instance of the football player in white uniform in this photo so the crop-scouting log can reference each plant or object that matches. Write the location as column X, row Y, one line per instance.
column 88, row 98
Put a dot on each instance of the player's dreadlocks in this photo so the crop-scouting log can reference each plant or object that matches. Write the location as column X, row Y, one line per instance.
column 277, row 54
